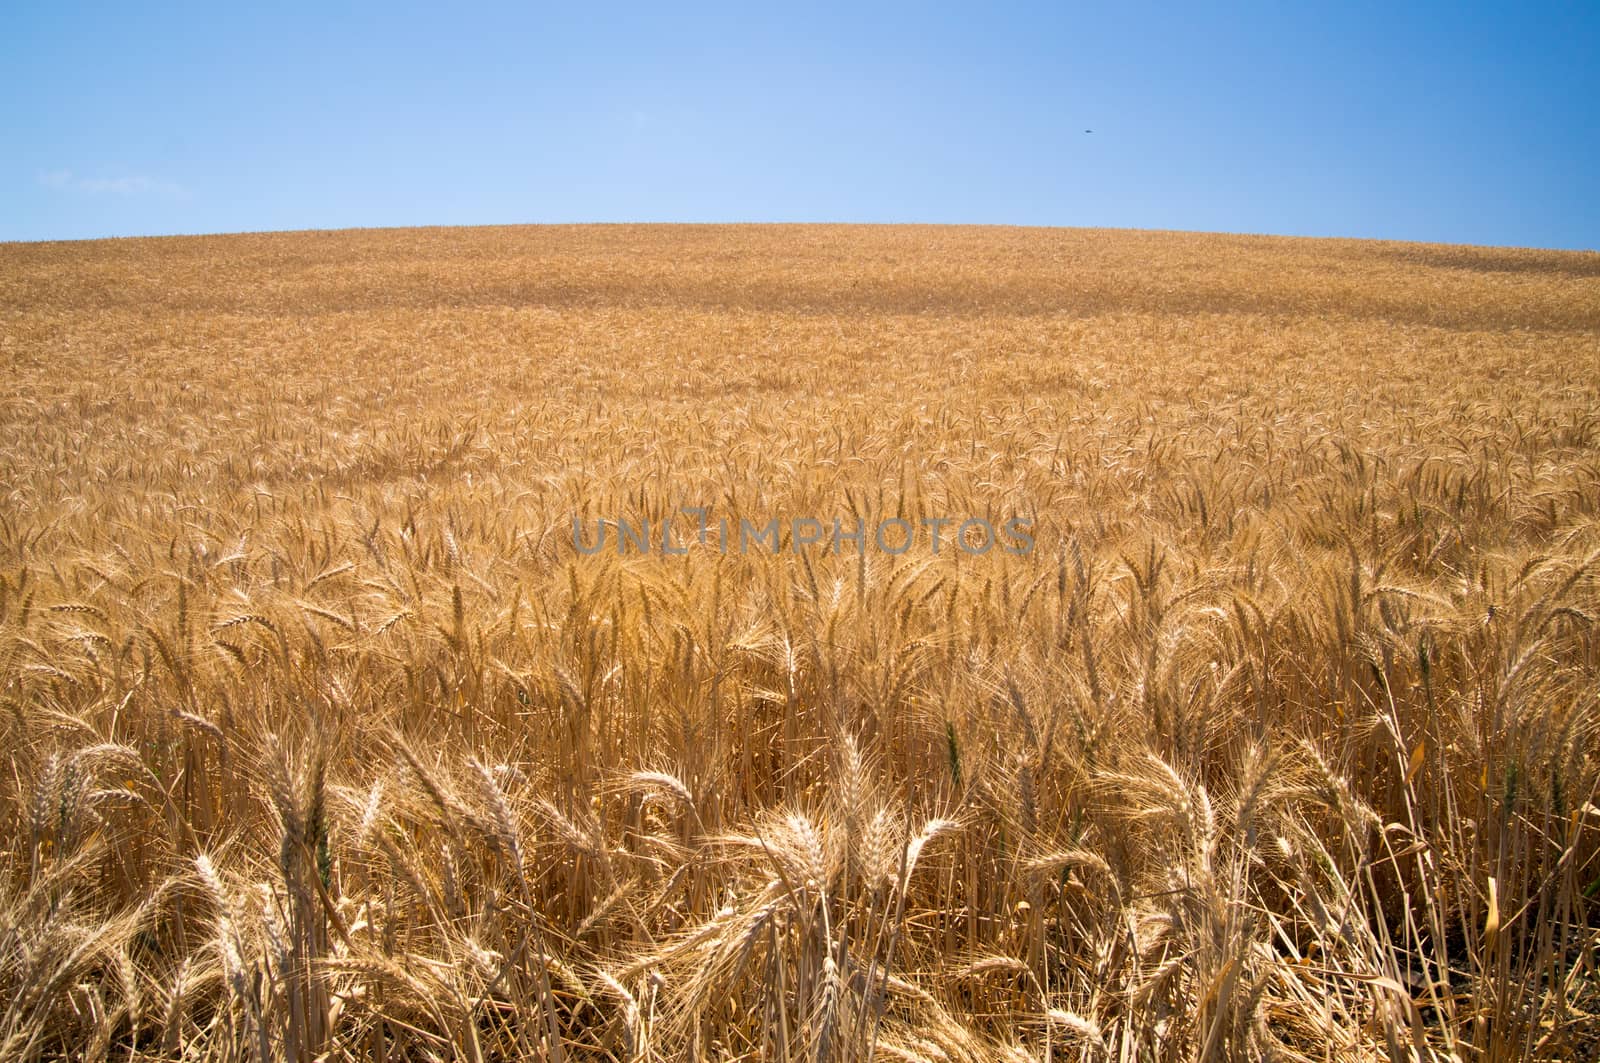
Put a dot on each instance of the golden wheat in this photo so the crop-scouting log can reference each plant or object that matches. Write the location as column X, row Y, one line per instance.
column 326, row 741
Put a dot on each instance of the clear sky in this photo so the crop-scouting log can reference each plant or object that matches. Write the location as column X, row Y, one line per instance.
column 1459, row 122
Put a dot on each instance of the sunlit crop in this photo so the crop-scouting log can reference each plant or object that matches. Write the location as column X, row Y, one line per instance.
column 324, row 740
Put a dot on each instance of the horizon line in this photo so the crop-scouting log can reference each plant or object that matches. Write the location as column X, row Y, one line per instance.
column 1160, row 231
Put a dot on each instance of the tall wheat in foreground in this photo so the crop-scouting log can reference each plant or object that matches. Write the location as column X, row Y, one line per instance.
column 325, row 741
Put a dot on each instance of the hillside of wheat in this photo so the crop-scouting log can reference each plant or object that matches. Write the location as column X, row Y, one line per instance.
column 345, row 716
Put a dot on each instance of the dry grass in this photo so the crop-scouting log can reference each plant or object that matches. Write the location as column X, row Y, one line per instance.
column 325, row 743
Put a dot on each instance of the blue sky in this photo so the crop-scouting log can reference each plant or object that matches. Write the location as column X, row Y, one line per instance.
column 1462, row 123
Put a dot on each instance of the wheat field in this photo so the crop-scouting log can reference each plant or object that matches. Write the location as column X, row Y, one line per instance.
column 325, row 740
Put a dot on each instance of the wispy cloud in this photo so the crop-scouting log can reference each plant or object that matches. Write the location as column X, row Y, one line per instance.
column 128, row 185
